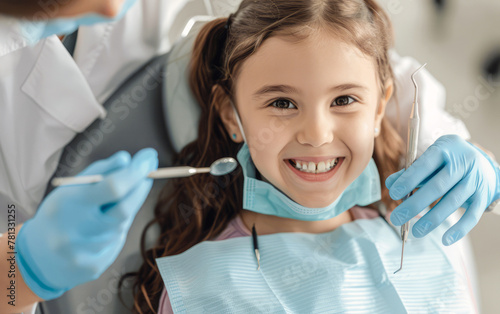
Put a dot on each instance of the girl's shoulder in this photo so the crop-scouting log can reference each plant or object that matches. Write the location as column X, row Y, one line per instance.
column 235, row 228
column 358, row 212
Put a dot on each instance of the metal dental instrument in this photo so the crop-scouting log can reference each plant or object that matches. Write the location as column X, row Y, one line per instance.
column 219, row 167
column 411, row 153
column 256, row 246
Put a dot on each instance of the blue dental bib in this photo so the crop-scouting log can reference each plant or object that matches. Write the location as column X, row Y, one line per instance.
column 348, row 270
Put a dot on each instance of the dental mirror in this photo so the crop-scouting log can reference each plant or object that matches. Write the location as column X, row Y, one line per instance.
column 219, row 167
column 223, row 166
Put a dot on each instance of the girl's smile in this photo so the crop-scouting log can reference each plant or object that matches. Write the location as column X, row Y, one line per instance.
column 312, row 172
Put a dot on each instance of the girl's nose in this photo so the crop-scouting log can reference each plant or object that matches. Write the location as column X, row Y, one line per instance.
column 316, row 129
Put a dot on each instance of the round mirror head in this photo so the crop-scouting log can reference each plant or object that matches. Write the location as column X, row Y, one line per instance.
column 223, row 166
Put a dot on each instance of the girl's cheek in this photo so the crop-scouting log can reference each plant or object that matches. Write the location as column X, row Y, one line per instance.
column 266, row 133
column 358, row 135
column 357, row 128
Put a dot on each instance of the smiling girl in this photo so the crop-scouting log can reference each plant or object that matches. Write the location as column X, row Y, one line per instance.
column 297, row 91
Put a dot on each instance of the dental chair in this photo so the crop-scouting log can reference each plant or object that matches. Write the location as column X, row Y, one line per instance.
column 133, row 128
column 165, row 119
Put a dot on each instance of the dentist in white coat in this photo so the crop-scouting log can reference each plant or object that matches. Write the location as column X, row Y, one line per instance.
column 47, row 97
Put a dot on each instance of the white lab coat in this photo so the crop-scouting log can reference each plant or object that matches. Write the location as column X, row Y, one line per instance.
column 434, row 120
column 47, row 97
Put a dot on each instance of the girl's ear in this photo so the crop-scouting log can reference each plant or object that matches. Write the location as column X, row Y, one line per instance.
column 379, row 115
column 227, row 114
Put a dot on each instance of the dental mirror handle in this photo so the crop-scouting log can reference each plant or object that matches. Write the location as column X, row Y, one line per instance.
column 176, row 172
column 162, row 173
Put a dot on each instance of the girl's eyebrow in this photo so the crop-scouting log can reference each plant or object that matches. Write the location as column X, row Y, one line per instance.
column 287, row 89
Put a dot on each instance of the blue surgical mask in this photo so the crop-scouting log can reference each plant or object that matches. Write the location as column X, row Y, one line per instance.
column 34, row 31
column 262, row 197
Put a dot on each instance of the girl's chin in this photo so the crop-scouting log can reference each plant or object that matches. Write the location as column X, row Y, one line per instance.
column 314, row 203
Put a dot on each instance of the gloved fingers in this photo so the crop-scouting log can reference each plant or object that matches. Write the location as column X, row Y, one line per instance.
column 436, row 187
column 114, row 162
column 89, row 265
column 450, row 202
column 120, row 183
column 125, row 210
column 392, row 178
column 91, row 244
column 427, row 164
column 469, row 219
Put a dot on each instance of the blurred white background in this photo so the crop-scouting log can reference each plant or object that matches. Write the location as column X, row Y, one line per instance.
column 455, row 42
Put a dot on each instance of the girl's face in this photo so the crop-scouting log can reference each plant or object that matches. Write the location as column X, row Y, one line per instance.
column 312, row 101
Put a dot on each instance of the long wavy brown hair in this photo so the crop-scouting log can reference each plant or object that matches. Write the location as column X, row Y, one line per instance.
column 194, row 209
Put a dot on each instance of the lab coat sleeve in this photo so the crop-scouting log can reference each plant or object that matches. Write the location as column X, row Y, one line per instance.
column 435, row 121
column 44, row 102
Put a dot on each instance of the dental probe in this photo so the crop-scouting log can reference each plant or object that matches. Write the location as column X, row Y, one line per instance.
column 219, row 167
column 411, row 154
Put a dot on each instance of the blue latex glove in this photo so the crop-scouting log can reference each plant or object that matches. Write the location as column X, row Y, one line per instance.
column 34, row 31
column 451, row 168
column 78, row 231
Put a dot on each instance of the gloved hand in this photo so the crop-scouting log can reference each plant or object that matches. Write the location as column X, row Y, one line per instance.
column 78, row 231
column 34, row 31
column 451, row 168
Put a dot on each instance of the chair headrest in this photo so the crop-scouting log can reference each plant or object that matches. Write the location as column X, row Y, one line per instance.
column 181, row 110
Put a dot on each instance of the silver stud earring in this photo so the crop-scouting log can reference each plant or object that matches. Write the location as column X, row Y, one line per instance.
column 376, row 130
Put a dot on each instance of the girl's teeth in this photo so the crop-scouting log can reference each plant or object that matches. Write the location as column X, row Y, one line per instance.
column 311, row 167
column 321, row 166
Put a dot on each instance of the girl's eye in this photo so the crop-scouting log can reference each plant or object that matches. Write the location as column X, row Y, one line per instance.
column 282, row 104
column 344, row 100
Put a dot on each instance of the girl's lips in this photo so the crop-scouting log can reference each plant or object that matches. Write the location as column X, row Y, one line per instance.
column 312, row 177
